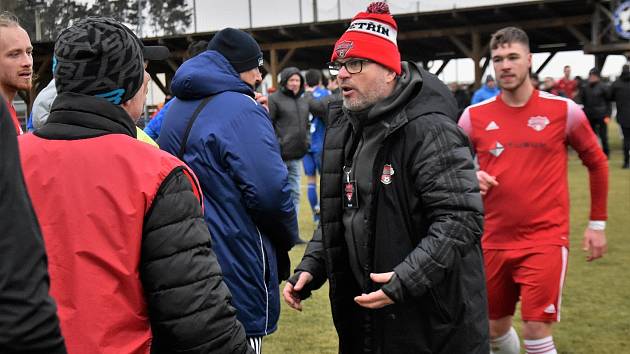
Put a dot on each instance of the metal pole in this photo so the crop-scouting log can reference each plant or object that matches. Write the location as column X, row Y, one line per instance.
column 250, row 14
column 38, row 25
column 339, row 9
column 315, row 11
column 140, row 18
column 300, row 9
column 195, row 15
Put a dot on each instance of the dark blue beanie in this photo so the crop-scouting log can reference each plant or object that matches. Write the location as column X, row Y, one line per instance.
column 238, row 47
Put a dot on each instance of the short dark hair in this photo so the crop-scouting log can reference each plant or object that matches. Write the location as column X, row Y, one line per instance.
column 313, row 77
column 509, row 35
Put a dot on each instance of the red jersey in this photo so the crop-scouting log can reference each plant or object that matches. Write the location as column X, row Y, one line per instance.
column 525, row 148
column 16, row 121
column 567, row 87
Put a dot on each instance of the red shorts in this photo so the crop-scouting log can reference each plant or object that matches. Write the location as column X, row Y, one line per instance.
column 535, row 274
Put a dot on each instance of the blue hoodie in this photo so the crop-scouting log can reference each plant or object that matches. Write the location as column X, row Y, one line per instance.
column 155, row 125
column 318, row 128
column 484, row 93
column 233, row 150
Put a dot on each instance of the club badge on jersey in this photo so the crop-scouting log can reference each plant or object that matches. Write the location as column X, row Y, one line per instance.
column 386, row 176
column 538, row 123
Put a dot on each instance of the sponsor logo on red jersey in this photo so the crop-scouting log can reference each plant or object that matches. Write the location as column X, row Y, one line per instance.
column 538, row 123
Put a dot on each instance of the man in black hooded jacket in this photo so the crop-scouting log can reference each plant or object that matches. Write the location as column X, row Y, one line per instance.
column 620, row 93
column 289, row 112
column 594, row 96
column 401, row 214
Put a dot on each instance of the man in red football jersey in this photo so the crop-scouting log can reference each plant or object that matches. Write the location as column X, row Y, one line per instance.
column 566, row 86
column 520, row 138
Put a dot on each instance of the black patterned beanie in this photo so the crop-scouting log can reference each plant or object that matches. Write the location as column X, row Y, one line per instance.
column 99, row 56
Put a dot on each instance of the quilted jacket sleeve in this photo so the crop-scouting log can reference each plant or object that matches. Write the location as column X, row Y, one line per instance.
column 189, row 304
column 313, row 262
column 445, row 181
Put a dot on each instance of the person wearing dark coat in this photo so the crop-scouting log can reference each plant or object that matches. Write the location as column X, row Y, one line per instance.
column 620, row 93
column 28, row 315
column 401, row 213
column 594, row 96
column 131, row 262
column 461, row 97
column 289, row 113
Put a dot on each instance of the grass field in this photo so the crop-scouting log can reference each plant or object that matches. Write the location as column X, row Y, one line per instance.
column 596, row 297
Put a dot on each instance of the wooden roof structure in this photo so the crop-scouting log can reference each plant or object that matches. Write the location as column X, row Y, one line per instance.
column 552, row 25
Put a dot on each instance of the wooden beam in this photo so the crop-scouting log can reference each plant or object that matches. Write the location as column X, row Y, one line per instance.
column 273, row 54
column 600, row 61
column 544, row 63
column 172, row 64
column 444, row 32
column 525, row 25
column 159, row 83
column 476, row 57
column 577, row 34
column 286, row 58
column 441, row 68
column 322, row 42
column 266, row 67
column 609, row 48
column 461, row 46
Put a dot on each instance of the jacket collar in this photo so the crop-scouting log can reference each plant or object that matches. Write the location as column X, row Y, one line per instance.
column 77, row 116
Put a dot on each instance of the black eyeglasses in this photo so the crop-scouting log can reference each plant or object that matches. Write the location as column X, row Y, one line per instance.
column 353, row 66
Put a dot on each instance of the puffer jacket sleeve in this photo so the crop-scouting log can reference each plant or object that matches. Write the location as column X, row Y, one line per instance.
column 319, row 107
column 313, row 262
column 188, row 302
column 445, row 181
column 273, row 108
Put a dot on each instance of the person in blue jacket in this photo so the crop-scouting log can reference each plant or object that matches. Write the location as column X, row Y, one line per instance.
column 154, row 126
column 488, row 90
column 232, row 148
column 312, row 161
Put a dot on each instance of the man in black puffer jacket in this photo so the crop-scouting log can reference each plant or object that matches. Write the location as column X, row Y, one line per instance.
column 289, row 112
column 130, row 257
column 594, row 96
column 401, row 214
column 620, row 93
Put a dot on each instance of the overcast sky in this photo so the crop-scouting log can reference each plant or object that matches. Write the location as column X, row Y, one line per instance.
column 213, row 15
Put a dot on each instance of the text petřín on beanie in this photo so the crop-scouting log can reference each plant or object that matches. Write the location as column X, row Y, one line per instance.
column 238, row 47
column 99, row 56
column 371, row 35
